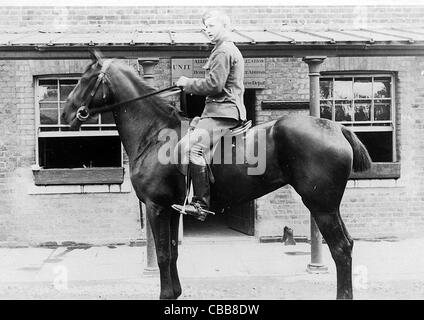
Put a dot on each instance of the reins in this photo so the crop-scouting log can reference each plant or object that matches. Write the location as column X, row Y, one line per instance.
column 112, row 106
column 83, row 112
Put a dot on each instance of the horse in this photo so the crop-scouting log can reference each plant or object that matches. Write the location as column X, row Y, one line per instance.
column 313, row 155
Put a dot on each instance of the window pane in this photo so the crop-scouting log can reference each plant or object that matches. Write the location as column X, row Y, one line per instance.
column 378, row 144
column 343, row 111
column 48, row 105
column 326, row 88
column 66, row 86
column 363, row 110
column 381, row 110
column 326, row 107
column 48, row 129
column 79, row 152
column 48, row 90
column 362, row 88
column 48, row 116
column 87, row 128
column 107, row 118
column 382, row 87
column 343, row 88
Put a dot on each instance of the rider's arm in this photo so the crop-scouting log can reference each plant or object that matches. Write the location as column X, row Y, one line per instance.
column 215, row 79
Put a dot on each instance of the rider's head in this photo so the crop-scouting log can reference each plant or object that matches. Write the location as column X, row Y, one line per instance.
column 217, row 24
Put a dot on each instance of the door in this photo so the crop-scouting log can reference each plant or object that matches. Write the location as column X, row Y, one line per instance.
column 242, row 217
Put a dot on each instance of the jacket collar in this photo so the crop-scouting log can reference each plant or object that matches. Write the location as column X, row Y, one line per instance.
column 225, row 38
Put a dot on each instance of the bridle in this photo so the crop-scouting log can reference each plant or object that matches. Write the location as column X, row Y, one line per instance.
column 83, row 112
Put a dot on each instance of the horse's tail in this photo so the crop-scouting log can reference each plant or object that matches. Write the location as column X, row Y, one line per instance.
column 361, row 157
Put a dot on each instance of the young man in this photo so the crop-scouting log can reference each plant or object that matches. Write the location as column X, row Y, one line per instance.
column 224, row 108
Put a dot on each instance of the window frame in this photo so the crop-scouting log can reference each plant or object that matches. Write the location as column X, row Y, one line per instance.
column 65, row 134
column 378, row 170
column 353, row 125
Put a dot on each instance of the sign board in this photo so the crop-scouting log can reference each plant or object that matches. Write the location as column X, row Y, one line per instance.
column 254, row 70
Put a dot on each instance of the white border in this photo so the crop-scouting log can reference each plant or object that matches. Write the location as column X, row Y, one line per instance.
column 172, row 3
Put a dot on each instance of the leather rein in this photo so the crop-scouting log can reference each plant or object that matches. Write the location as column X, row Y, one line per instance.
column 83, row 112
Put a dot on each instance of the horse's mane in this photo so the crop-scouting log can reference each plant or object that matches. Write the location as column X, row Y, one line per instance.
column 157, row 103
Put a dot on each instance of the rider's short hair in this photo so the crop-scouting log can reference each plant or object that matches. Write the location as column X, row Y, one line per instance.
column 220, row 15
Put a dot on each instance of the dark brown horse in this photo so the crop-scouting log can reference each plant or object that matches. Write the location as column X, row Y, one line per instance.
column 315, row 156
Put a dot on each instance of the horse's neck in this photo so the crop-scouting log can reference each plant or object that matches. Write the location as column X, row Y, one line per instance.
column 137, row 123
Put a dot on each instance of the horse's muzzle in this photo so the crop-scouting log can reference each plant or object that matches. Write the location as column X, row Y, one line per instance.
column 75, row 124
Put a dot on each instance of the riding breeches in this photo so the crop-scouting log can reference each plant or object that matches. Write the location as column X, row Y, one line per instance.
column 201, row 138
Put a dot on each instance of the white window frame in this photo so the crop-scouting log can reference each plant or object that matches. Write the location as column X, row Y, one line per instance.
column 372, row 125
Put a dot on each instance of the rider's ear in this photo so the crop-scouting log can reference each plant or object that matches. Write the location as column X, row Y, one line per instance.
column 96, row 56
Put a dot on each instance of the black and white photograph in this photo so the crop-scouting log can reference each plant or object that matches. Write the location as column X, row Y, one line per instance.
column 211, row 151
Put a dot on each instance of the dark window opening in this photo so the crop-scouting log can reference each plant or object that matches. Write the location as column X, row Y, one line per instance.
column 379, row 145
column 79, row 152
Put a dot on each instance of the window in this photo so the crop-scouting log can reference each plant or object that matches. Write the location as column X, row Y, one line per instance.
column 365, row 103
column 95, row 145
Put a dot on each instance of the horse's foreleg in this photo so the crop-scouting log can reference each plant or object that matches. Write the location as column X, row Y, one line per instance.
column 159, row 220
column 175, row 221
column 340, row 244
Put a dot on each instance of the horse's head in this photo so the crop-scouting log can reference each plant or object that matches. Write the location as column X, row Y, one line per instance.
column 91, row 91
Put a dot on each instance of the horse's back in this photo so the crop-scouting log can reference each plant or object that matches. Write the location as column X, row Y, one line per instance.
column 314, row 136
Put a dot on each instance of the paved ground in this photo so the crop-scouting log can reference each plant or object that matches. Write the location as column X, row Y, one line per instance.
column 211, row 269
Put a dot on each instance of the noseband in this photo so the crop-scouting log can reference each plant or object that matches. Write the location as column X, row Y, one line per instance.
column 83, row 112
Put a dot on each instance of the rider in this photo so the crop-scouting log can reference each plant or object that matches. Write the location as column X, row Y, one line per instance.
column 224, row 108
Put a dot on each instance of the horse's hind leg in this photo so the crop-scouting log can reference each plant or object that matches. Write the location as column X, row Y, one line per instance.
column 175, row 221
column 159, row 220
column 340, row 244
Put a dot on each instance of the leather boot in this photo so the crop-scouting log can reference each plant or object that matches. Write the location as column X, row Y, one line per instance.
column 199, row 207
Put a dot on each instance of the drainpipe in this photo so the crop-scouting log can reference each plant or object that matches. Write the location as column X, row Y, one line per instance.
column 148, row 65
column 314, row 63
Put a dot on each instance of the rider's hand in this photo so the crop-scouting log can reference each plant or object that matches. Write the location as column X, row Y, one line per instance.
column 182, row 82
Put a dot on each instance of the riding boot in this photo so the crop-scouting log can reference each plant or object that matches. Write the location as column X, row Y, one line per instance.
column 199, row 207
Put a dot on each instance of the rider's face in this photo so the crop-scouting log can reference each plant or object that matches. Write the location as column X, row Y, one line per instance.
column 214, row 29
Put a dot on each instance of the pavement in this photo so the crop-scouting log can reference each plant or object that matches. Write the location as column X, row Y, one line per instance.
column 211, row 268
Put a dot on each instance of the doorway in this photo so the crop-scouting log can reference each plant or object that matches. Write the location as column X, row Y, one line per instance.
column 237, row 221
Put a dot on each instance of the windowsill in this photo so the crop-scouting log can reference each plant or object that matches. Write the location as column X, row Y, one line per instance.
column 78, row 176
column 81, row 180
column 80, row 189
column 379, row 170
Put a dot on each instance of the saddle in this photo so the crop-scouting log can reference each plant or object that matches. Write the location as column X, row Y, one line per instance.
column 238, row 129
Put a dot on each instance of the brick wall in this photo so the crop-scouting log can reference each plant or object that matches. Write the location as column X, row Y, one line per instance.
column 145, row 17
column 31, row 218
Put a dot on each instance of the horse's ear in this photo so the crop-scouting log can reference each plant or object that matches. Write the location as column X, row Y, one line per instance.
column 96, row 56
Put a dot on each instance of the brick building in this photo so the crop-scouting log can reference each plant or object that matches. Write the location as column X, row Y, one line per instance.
column 371, row 80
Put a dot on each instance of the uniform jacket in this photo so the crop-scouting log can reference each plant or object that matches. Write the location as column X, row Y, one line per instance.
column 223, row 83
